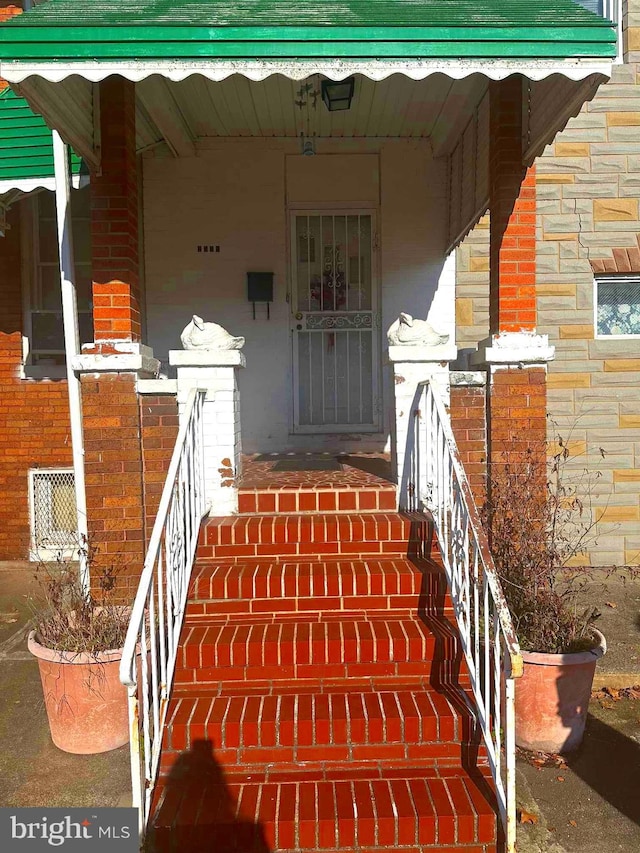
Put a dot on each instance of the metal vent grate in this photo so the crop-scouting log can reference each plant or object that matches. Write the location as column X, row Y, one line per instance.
column 54, row 522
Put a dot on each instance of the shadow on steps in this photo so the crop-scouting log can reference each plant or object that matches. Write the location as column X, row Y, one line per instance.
column 197, row 812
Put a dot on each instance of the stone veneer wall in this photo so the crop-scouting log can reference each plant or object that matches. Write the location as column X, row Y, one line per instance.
column 588, row 190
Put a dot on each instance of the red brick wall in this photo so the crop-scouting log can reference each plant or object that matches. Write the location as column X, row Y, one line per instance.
column 517, row 411
column 159, row 429
column 114, row 218
column 34, row 415
column 469, row 423
column 512, row 298
column 113, row 466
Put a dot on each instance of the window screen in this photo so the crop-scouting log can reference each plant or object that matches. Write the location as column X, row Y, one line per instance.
column 618, row 305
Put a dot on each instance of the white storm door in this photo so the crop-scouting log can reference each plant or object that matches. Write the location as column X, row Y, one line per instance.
column 335, row 328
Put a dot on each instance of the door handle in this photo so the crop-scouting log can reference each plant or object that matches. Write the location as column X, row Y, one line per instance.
column 299, row 327
column 298, row 316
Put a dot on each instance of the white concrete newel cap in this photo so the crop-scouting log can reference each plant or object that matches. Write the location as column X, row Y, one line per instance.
column 407, row 332
column 198, row 335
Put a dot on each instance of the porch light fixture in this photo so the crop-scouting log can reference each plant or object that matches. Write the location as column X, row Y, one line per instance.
column 338, row 96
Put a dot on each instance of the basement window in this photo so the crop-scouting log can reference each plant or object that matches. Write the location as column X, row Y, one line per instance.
column 52, row 507
column 617, row 306
column 44, row 335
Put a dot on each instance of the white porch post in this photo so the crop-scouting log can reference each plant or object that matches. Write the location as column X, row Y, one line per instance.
column 71, row 339
column 413, row 365
column 215, row 370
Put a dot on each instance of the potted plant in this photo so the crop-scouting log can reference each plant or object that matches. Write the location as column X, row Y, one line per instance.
column 77, row 640
column 539, row 529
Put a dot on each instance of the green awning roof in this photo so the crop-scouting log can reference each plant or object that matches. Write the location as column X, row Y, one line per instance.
column 68, row 31
column 26, row 147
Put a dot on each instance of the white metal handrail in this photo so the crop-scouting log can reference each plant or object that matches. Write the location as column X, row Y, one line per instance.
column 435, row 480
column 150, row 649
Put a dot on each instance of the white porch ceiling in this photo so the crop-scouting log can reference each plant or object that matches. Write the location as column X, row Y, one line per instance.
column 184, row 111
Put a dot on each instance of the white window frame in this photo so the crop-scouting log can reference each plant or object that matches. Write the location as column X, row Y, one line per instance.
column 36, row 552
column 611, row 278
column 29, row 271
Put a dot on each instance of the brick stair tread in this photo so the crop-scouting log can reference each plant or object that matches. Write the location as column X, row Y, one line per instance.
column 312, row 527
column 413, row 809
column 315, row 638
column 293, row 586
column 416, row 714
column 257, row 578
column 378, row 497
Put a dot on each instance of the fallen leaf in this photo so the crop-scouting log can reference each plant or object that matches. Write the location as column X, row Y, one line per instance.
column 9, row 618
column 572, row 823
column 526, row 817
column 611, row 604
column 560, row 778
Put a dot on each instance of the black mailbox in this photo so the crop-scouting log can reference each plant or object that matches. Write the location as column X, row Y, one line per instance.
column 260, row 286
column 260, row 289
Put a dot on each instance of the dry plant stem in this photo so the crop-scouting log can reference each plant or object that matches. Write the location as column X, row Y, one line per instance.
column 537, row 527
column 71, row 620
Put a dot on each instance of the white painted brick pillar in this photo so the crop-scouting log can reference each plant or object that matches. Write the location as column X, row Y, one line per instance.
column 411, row 367
column 217, row 372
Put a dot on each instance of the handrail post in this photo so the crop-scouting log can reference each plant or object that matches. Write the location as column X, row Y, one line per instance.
column 412, row 366
column 216, row 371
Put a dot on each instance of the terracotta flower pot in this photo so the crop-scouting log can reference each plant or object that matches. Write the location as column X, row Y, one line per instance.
column 552, row 698
column 85, row 700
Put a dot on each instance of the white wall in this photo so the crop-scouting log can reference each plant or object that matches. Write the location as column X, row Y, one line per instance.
column 235, row 194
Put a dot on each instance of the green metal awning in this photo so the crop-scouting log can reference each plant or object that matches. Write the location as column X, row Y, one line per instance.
column 26, row 148
column 140, row 36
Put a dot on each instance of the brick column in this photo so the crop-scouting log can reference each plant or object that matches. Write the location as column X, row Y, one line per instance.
column 514, row 354
column 113, row 363
column 512, row 247
column 114, row 218
column 468, row 408
column 159, row 430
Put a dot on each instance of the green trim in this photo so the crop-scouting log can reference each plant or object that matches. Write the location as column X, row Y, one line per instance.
column 193, row 50
column 146, row 34
column 26, row 147
column 106, row 30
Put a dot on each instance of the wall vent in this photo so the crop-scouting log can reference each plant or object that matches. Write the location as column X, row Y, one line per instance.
column 54, row 521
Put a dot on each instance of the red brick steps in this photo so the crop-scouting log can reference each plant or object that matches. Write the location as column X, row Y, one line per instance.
column 316, row 534
column 320, row 698
column 424, row 810
column 346, row 722
column 267, row 586
column 314, row 646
